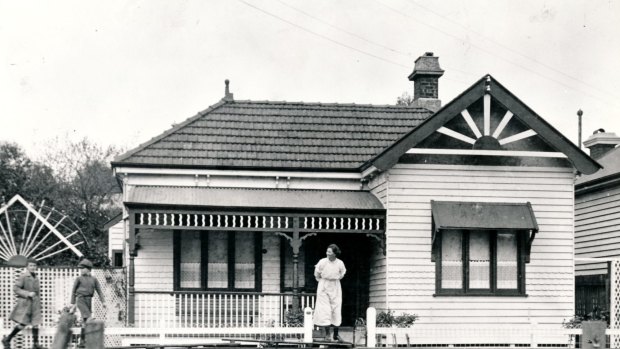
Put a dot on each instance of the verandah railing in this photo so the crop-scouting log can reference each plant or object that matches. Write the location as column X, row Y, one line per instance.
column 215, row 309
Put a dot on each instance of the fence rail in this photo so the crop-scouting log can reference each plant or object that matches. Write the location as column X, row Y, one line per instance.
column 214, row 309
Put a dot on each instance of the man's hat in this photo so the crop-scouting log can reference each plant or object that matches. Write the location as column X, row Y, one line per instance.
column 85, row 263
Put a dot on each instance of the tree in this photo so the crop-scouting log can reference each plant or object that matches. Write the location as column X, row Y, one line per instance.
column 72, row 177
column 20, row 175
column 88, row 192
column 405, row 99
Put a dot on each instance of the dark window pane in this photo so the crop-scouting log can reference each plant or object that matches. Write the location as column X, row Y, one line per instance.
column 190, row 260
column 217, row 267
column 245, row 257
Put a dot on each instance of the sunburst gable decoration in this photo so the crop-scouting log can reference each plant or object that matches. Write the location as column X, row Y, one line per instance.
column 487, row 127
column 26, row 232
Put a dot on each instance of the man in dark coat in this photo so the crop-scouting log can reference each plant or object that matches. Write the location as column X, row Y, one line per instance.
column 84, row 289
column 27, row 310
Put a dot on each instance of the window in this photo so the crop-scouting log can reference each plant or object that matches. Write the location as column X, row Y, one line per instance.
column 117, row 258
column 480, row 262
column 217, row 260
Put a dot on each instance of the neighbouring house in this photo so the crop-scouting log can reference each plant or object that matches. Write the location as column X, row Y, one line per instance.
column 116, row 233
column 597, row 224
column 461, row 214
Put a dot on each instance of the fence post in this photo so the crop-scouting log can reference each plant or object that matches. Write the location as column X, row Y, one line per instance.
column 308, row 325
column 371, row 327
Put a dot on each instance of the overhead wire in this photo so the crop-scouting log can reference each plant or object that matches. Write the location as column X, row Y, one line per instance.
column 494, row 55
column 508, row 48
column 408, row 55
column 333, row 40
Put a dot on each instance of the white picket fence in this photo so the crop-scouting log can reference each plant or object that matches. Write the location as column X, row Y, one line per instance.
column 214, row 309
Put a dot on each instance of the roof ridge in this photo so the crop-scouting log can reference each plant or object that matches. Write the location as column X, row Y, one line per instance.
column 364, row 105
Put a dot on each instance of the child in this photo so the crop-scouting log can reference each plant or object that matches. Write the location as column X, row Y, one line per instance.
column 82, row 295
column 27, row 310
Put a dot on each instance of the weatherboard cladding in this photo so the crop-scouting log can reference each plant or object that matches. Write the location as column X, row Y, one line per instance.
column 280, row 134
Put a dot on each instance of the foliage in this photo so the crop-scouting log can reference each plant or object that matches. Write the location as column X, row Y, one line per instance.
column 73, row 177
column 294, row 318
column 405, row 99
column 20, row 175
column 388, row 319
column 596, row 315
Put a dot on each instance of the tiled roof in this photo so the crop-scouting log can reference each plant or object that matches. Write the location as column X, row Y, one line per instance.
column 611, row 168
column 285, row 135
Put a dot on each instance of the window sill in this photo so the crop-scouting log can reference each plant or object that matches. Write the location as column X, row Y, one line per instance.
column 478, row 294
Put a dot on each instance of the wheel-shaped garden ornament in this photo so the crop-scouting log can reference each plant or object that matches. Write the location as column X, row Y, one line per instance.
column 38, row 232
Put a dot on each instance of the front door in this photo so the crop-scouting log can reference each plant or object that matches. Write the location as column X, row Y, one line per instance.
column 356, row 251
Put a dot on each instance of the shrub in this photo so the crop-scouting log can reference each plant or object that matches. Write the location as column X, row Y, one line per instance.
column 388, row 319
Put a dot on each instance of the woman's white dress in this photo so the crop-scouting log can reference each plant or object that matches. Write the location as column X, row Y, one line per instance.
column 327, row 310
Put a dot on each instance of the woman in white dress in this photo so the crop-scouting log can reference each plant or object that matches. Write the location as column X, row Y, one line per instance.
column 328, row 272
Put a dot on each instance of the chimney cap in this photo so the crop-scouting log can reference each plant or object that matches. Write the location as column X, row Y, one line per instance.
column 426, row 65
column 601, row 137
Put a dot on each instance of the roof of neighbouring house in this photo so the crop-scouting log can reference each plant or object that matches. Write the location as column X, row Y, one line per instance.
column 286, row 135
column 611, row 169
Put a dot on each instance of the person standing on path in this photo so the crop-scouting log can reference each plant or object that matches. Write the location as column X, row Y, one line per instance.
column 84, row 289
column 328, row 272
column 27, row 310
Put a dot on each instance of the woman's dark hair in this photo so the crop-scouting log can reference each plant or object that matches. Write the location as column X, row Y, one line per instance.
column 335, row 249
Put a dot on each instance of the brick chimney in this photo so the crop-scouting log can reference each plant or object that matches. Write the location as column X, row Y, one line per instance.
column 601, row 142
column 425, row 77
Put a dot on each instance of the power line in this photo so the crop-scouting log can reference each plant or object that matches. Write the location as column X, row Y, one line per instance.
column 344, row 30
column 332, row 40
column 413, row 2
column 363, row 38
column 494, row 55
column 323, row 36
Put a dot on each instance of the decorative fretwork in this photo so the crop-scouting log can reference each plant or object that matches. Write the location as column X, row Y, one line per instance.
column 194, row 220
column 259, row 222
column 615, row 302
column 341, row 223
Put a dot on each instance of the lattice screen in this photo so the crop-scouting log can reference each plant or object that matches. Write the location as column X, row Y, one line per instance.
column 56, row 284
column 615, row 303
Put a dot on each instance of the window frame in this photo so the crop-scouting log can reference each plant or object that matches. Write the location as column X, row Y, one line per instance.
column 493, row 291
column 204, row 258
column 115, row 253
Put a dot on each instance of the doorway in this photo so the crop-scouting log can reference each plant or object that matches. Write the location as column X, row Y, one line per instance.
column 356, row 250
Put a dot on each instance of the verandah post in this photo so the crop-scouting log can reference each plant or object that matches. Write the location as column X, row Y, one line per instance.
column 131, row 296
column 296, row 244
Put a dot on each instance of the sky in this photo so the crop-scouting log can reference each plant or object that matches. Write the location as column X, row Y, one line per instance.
column 122, row 72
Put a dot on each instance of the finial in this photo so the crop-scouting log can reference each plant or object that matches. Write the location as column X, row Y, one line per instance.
column 487, row 84
column 579, row 112
column 227, row 95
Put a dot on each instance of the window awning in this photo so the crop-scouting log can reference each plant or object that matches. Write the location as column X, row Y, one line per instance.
column 483, row 215
column 455, row 215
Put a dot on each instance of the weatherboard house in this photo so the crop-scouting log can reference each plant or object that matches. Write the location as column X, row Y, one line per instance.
column 461, row 213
